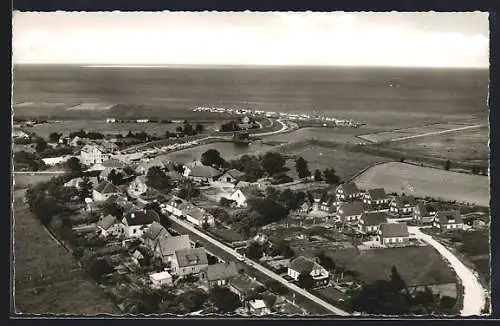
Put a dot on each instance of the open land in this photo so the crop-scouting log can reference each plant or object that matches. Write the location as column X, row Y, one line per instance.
column 46, row 277
column 416, row 265
column 423, row 181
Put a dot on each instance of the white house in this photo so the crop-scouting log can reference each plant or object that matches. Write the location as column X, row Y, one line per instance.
column 393, row 233
column 198, row 216
column 347, row 191
column 174, row 206
column 189, row 261
column 165, row 248
column 258, row 307
column 402, row 205
column 448, row 221
column 160, row 279
column 136, row 223
column 303, row 264
column 350, row 211
column 104, row 190
column 137, row 187
column 376, row 197
column 93, row 153
column 239, row 198
column 369, row 222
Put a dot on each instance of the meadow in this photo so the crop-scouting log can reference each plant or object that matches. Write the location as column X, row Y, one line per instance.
column 424, row 181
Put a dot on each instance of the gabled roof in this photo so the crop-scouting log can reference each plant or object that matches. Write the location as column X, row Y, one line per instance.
column 377, row 194
column 76, row 182
column 445, row 216
column 235, row 174
column 391, row 230
column 248, row 191
column 191, row 257
column 374, row 218
column 194, row 211
column 114, row 199
column 114, row 163
column 169, row 245
column 174, row 175
column 155, row 230
column 143, row 217
column 243, row 283
column 105, row 187
column 203, row 171
column 91, row 147
column 402, row 201
column 222, row 271
column 349, row 188
column 350, row 209
column 257, row 304
column 303, row 264
column 106, row 222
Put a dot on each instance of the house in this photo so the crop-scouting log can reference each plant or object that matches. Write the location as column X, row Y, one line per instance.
column 137, row 257
column 350, row 211
column 160, row 279
column 305, row 208
column 19, row 134
column 144, row 167
column 189, row 261
column 303, row 264
column 258, row 307
column 219, row 274
column 201, row 173
column 104, row 190
column 232, row 176
column 198, row 216
column 77, row 182
column 423, row 214
column 175, row 206
column 376, row 197
column 328, row 204
column 243, row 286
column 241, row 195
column 316, row 197
column 347, row 191
column 393, row 233
column 109, row 226
column 110, row 146
column 137, row 187
column 448, row 220
column 165, row 247
column 153, row 234
column 76, row 141
column 93, row 154
column 402, row 205
column 136, row 223
column 369, row 222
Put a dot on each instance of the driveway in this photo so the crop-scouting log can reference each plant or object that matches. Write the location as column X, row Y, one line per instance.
column 474, row 294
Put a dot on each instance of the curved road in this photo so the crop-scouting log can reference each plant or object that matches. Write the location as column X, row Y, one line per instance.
column 474, row 294
column 260, row 268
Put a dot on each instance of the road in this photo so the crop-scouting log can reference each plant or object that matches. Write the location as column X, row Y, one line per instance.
column 435, row 133
column 474, row 294
column 233, row 254
column 284, row 127
column 40, row 172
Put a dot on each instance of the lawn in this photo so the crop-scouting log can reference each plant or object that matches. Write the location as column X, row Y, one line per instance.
column 26, row 180
column 424, row 181
column 46, row 278
column 416, row 265
column 345, row 163
column 228, row 234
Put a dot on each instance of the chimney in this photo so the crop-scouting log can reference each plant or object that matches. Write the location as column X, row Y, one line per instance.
column 132, row 215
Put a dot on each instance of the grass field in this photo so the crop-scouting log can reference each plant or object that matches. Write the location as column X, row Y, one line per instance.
column 416, row 265
column 345, row 163
column 26, row 180
column 470, row 146
column 340, row 135
column 423, row 181
column 46, row 278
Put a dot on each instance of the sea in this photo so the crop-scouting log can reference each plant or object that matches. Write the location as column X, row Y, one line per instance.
column 334, row 91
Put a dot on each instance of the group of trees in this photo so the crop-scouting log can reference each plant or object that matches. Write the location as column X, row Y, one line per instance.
column 302, row 169
column 83, row 134
column 157, row 179
column 224, row 300
column 250, row 165
column 256, row 250
column 188, row 130
column 29, row 161
column 328, row 175
column 213, row 158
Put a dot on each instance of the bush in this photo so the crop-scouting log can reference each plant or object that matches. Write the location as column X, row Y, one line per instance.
column 226, row 202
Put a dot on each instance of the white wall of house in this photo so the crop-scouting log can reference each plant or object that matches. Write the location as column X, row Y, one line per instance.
column 157, row 283
column 97, row 196
column 113, row 230
column 93, row 156
column 239, row 198
column 389, row 240
column 173, row 210
column 183, row 271
column 293, row 274
column 193, row 220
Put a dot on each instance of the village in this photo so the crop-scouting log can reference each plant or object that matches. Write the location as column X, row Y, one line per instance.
column 216, row 236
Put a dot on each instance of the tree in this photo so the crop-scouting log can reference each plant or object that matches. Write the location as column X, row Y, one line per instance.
column 330, row 176
column 188, row 129
column 326, row 261
column 212, row 158
column 157, row 179
column 225, row 300
column 273, row 163
column 27, row 160
column 269, row 300
column 302, row 169
column 283, row 248
column 254, row 251
column 199, row 128
column 85, row 188
column 98, row 268
column 54, row 137
column 397, row 282
column 317, row 175
column 187, row 190
column 74, row 165
column 447, row 165
column 116, row 178
column 289, row 200
column 276, row 287
column 305, row 281
column 250, row 165
column 41, row 145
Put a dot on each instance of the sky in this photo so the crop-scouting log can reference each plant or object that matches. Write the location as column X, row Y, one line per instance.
column 424, row 39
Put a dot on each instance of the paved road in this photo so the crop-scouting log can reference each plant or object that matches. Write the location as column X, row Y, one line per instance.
column 436, row 133
column 474, row 294
column 260, row 268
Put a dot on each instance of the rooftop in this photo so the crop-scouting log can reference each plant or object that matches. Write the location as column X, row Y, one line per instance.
column 106, row 187
column 303, row 264
column 169, row 245
column 222, row 271
column 377, row 194
column 160, row 276
column 444, row 217
column 191, row 257
column 390, row 230
column 374, row 218
column 349, row 188
column 142, row 217
column 349, row 209
column 106, row 222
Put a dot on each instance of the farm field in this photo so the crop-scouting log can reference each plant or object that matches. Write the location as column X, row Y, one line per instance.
column 470, row 146
column 22, row 181
column 340, row 135
column 423, row 181
column 46, row 278
column 416, row 265
column 345, row 163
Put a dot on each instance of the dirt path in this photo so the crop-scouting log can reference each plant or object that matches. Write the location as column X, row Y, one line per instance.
column 433, row 133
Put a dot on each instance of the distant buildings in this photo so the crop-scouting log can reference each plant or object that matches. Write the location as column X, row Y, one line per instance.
column 402, row 205
column 94, row 154
column 376, row 197
column 347, row 191
column 448, row 221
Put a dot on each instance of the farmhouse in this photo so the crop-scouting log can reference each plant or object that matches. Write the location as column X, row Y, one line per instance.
column 303, row 264
column 258, row 307
column 189, row 261
column 402, row 205
column 328, row 204
column 350, row 211
column 219, row 274
column 137, row 222
column 243, row 286
column 165, row 248
column 347, row 191
column 160, row 279
column 104, row 190
column 376, row 197
column 393, row 233
column 201, row 173
column 423, row 214
column 448, row 220
column 153, row 234
column 370, row 221
column 137, row 187
column 198, row 216
column 240, row 197
column 232, row 176
column 93, row 154
column 109, row 226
